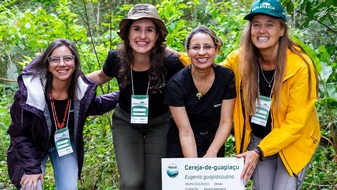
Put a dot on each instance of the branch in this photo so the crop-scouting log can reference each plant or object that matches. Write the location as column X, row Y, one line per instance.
column 7, row 80
column 329, row 28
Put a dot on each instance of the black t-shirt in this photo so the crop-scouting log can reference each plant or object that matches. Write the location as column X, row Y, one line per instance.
column 60, row 106
column 111, row 68
column 259, row 130
column 203, row 114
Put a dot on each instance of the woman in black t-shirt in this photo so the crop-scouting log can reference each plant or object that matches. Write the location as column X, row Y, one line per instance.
column 141, row 66
column 201, row 100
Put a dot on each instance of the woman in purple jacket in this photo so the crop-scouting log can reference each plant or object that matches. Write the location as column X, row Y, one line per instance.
column 48, row 114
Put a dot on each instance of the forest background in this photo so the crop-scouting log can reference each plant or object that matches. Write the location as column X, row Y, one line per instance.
column 27, row 27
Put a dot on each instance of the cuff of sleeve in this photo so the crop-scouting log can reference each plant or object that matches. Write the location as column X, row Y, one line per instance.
column 259, row 152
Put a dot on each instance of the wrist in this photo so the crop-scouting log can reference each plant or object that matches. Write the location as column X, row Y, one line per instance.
column 259, row 152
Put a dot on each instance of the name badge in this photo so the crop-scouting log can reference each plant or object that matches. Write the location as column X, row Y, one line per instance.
column 62, row 142
column 262, row 111
column 139, row 109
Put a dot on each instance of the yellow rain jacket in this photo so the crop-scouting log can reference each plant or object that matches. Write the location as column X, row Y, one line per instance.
column 295, row 128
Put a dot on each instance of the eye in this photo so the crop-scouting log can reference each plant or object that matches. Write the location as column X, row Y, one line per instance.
column 54, row 59
column 68, row 58
column 150, row 29
column 136, row 28
column 195, row 48
column 256, row 25
column 207, row 47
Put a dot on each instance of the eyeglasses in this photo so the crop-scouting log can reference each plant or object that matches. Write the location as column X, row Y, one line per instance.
column 57, row 59
column 198, row 48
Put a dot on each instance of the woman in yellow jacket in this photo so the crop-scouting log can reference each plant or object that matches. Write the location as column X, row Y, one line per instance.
column 276, row 126
column 275, row 122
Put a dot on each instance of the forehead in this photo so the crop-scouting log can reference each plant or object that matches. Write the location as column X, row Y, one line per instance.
column 62, row 50
column 201, row 38
column 143, row 22
column 264, row 18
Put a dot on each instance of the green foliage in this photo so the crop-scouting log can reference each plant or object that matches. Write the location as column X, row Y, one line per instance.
column 27, row 27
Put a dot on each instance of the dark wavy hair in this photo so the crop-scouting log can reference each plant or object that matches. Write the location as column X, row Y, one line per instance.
column 40, row 67
column 157, row 57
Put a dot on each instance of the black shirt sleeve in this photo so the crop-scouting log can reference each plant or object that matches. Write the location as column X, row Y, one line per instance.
column 111, row 64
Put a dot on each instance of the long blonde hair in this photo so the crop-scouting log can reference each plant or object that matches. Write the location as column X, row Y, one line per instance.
column 251, row 60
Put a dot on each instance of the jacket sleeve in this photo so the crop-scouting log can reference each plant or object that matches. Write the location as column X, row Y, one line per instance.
column 104, row 103
column 22, row 152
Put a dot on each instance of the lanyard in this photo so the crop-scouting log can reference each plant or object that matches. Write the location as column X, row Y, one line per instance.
column 67, row 112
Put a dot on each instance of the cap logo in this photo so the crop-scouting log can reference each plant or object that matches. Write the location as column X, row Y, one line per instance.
column 263, row 6
column 140, row 9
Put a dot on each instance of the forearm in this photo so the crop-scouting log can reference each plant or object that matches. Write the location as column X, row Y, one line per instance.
column 188, row 146
column 98, row 77
column 219, row 140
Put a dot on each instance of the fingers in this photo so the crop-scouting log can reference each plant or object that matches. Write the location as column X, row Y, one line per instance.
column 251, row 160
column 29, row 182
column 42, row 179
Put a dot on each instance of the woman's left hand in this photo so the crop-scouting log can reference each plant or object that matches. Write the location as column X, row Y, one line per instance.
column 251, row 159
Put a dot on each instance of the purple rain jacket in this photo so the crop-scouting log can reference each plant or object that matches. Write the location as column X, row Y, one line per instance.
column 31, row 122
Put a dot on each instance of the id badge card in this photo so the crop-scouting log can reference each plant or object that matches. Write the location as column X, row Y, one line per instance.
column 62, row 142
column 139, row 109
column 262, row 111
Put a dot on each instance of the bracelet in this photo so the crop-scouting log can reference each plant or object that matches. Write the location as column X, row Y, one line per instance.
column 259, row 152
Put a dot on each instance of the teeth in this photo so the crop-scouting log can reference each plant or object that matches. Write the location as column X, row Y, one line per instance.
column 62, row 71
column 141, row 43
column 202, row 60
column 263, row 39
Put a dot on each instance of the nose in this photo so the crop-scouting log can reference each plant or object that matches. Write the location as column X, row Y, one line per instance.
column 262, row 29
column 143, row 34
column 62, row 62
column 201, row 51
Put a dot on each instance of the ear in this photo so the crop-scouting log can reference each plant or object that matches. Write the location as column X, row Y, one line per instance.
column 217, row 50
column 187, row 51
column 282, row 32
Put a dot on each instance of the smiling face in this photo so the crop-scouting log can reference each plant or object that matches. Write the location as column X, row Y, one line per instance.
column 202, row 50
column 143, row 36
column 61, row 64
column 265, row 32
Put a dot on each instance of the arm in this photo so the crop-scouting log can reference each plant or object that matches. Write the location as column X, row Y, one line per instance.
column 22, row 155
column 183, row 57
column 186, row 135
column 104, row 103
column 224, row 128
column 99, row 77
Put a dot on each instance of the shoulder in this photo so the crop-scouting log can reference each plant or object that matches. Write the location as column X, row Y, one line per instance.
column 113, row 54
column 222, row 69
column 181, row 76
column 297, row 62
column 232, row 59
column 172, row 61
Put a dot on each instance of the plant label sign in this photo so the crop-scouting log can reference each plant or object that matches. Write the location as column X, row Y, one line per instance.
column 202, row 173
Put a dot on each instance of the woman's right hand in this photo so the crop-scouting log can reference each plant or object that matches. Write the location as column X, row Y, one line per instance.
column 251, row 160
column 29, row 181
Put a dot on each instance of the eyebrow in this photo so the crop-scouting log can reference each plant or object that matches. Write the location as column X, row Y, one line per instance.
column 141, row 26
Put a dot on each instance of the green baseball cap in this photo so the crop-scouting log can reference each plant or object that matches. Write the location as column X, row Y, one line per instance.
column 267, row 7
